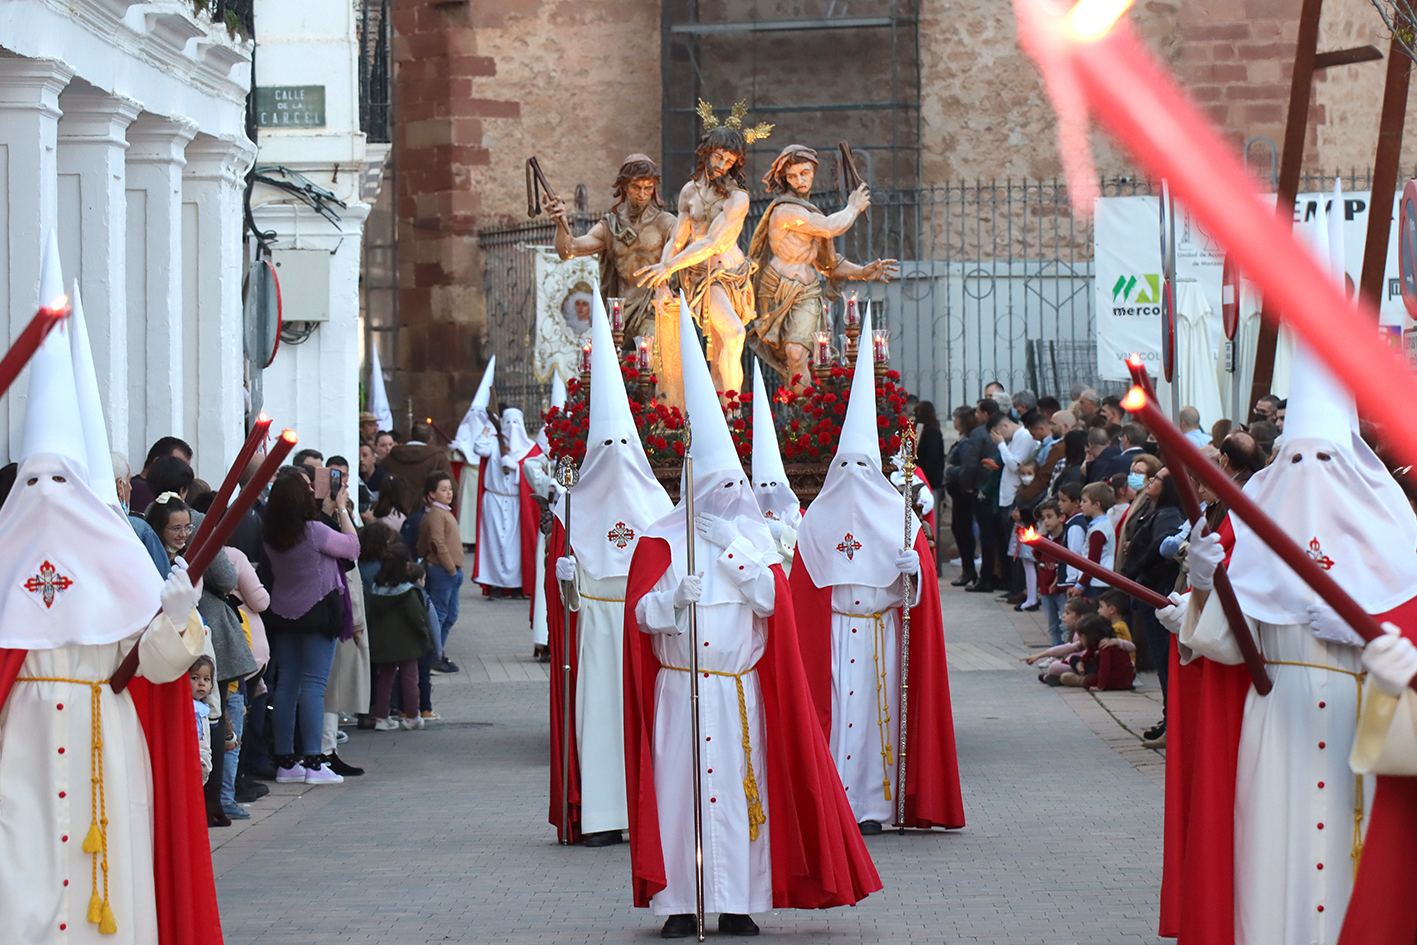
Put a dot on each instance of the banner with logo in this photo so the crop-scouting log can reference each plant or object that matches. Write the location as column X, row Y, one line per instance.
column 1127, row 270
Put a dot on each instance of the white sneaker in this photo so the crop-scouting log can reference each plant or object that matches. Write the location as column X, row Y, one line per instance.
column 411, row 724
column 295, row 774
column 322, row 775
column 386, row 725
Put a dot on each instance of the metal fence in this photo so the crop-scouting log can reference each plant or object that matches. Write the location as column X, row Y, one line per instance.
column 995, row 285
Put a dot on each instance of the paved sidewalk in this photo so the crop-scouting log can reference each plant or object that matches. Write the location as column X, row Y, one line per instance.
column 445, row 838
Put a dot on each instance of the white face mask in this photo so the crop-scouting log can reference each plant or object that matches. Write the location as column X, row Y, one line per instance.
column 1025, row 478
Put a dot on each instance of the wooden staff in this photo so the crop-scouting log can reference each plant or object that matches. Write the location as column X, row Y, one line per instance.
column 535, row 185
column 1094, row 570
column 694, row 678
column 567, row 475
column 31, row 338
column 217, row 509
column 850, row 176
column 907, row 468
column 1241, row 505
column 1191, row 506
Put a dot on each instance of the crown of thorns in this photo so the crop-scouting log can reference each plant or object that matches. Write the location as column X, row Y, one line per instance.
column 735, row 121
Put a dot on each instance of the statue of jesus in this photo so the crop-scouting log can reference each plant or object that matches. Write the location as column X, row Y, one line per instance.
column 717, row 277
column 792, row 244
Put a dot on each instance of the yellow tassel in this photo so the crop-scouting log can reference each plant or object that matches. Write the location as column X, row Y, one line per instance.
column 107, row 926
column 890, row 757
column 95, row 908
column 93, row 843
column 887, row 783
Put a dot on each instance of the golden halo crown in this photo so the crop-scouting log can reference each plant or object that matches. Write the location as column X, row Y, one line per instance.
column 735, row 121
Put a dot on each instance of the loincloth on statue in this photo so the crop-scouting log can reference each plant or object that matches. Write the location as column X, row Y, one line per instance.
column 736, row 283
column 792, row 312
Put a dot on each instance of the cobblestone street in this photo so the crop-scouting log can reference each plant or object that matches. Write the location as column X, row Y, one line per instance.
column 445, row 839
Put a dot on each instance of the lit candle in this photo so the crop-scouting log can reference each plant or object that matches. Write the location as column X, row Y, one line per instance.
column 1072, row 559
column 31, row 338
column 617, row 314
column 642, row 353
column 1175, row 443
column 821, row 343
column 880, row 345
column 254, row 441
column 853, row 316
column 585, row 356
column 1093, row 49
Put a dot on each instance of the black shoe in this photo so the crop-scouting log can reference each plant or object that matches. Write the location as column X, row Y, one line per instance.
column 964, row 580
column 341, row 767
column 981, row 587
column 731, row 924
column 1155, row 732
column 541, row 653
column 367, row 722
column 1052, row 680
column 445, row 667
column 605, row 838
column 680, row 926
column 869, row 828
column 1026, row 610
column 248, row 791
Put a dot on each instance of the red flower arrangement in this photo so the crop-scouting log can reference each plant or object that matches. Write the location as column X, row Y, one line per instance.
column 808, row 423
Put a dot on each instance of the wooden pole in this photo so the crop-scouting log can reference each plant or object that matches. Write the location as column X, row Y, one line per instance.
column 1291, row 161
column 1385, row 170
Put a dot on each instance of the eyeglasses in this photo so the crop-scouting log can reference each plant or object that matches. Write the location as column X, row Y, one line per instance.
column 180, row 529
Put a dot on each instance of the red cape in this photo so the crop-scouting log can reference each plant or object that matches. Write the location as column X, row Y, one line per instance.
column 818, row 858
column 555, row 615
column 1383, row 910
column 932, row 795
column 182, row 864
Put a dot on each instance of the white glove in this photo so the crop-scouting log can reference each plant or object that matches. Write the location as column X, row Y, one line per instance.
column 565, row 569
column 775, row 528
column 508, row 463
column 1331, row 627
column 1204, row 557
column 715, row 530
column 690, row 589
column 178, row 595
column 1172, row 617
column 1391, row 661
column 908, row 562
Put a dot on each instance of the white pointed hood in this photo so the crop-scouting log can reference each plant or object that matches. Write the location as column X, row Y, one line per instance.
column 618, row 496
column 378, row 396
column 99, row 457
column 775, row 497
column 73, row 573
column 720, row 487
column 853, row 530
column 1333, row 496
column 475, row 420
column 514, row 435
column 558, row 400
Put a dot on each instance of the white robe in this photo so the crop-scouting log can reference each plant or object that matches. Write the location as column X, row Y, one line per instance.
column 600, row 700
column 467, row 501
column 499, row 524
column 732, row 635
column 541, row 482
column 46, row 800
column 861, row 722
column 1294, row 792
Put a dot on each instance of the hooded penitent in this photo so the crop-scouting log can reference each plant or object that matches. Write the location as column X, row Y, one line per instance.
column 475, row 419
column 99, row 458
column 558, row 400
column 514, row 434
column 1330, row 493
column 858, row 510
column 68, row 576
column 775, row 497
column 378, row 396
column 618, row 496
column 720, row 487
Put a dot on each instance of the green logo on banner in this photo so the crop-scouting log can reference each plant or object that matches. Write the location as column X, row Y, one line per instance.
column 1125, row 285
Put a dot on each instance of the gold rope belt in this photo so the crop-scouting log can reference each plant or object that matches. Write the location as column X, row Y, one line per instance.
column 96, row 842
column 750, row 782
column 1358, row 778
column 883, row 698
column 604, row 600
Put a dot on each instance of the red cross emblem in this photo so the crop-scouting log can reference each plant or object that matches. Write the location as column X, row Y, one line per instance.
column 621, row 535
column 770, row 515
column 849, row 546
column 1316, row 553
column 48, row 582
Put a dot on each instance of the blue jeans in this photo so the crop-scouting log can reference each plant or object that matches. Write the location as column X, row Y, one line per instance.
column 304, row 661
column 1053, row 608
column 236, row 712
column 443, row 590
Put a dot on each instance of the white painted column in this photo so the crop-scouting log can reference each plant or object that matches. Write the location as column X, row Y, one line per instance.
column 313, row 387
column 29, row 123
column 93, row 209
column 155, row 252
column 214, row 411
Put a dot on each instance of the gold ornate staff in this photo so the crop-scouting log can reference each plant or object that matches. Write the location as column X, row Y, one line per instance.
column 567, row 475
column 907, row 469
column 694, row 677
